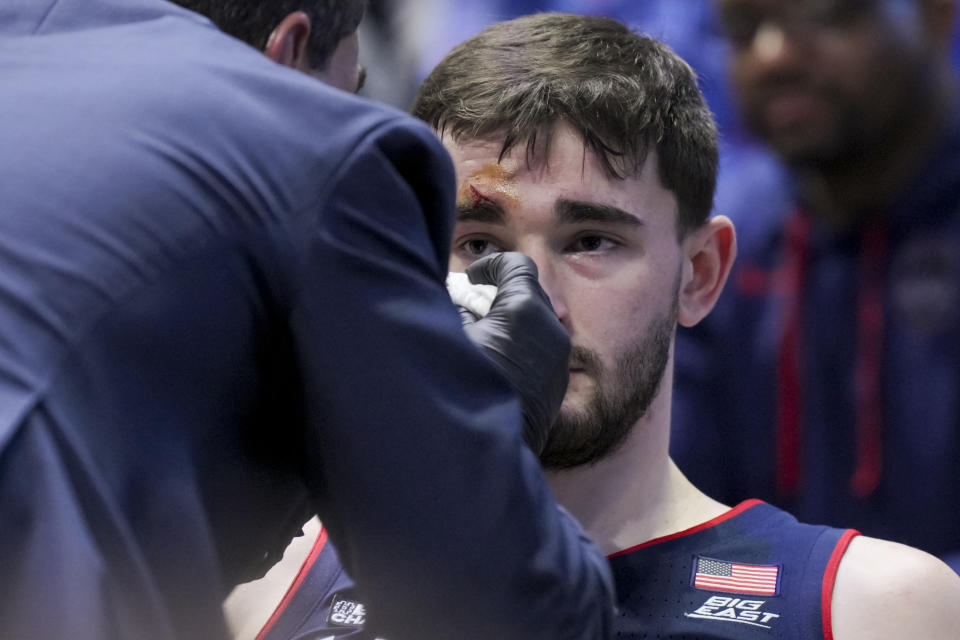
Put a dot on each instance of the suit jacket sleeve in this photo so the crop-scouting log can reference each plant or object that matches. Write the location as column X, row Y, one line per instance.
column 415, row 454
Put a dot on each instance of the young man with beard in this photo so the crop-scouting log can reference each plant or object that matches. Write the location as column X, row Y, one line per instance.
column 591, row 150
column 826, row 381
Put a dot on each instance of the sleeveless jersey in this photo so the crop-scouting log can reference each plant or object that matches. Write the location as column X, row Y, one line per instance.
column 321, row 602
column 752, row 573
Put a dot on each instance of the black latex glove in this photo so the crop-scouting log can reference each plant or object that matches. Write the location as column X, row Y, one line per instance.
column 523, row 336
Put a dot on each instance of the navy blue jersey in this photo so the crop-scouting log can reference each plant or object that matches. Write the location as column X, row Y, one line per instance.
column 221, row 295
column 826, row 379
column 753, row 573
column 321, row 602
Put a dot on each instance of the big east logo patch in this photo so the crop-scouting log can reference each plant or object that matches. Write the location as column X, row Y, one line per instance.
column 737, row 610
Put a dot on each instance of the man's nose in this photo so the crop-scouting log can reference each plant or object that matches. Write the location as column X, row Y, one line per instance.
column 551, row 280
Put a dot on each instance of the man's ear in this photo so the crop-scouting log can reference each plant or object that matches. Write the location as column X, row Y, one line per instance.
column 287, row 44
column 709, row 254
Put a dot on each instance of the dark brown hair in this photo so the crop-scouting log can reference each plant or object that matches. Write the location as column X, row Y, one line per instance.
column 253, row 20
column 625, row 93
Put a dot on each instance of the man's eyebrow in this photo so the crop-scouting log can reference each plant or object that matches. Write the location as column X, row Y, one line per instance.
column 576, row 211
column 483, row 211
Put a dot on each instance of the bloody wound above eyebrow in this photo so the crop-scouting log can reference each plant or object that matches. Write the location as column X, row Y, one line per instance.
column 477, row 197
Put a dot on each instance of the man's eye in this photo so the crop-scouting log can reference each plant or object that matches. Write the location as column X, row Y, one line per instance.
column 478, row 248
column 592, row 244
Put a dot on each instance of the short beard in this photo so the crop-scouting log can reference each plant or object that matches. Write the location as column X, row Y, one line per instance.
column 622, row 396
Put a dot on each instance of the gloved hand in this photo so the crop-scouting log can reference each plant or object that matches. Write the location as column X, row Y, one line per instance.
column 524, row 338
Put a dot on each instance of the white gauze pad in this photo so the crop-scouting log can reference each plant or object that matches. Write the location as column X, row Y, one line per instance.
column 476, row 298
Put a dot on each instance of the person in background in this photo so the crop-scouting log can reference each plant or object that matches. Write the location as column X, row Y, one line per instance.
column 591, row 149
column 223, row 309
column 826, row 381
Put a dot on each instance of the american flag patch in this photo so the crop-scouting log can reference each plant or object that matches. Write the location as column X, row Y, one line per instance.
column 735, row 577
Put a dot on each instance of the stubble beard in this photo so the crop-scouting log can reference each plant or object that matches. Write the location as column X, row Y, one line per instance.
column 622, row 395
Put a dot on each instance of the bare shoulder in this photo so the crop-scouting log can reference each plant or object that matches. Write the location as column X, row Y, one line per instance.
column 888, row 590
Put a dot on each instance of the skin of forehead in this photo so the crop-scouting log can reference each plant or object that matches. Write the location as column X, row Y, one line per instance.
column 487, row 180
column 499, row 177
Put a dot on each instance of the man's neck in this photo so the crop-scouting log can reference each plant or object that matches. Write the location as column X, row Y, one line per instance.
column 637, row 493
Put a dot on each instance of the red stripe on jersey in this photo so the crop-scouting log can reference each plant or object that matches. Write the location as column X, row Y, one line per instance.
column 295, row 585
column 737, row 510
column 829, row 577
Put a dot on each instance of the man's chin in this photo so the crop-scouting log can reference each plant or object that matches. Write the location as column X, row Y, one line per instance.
column 557, row 460
column 575, row 439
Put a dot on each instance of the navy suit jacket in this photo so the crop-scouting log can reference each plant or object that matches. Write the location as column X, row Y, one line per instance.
column 222, row 309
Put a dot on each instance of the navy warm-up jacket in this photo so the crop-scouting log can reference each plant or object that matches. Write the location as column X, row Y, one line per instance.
column 222, row 308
